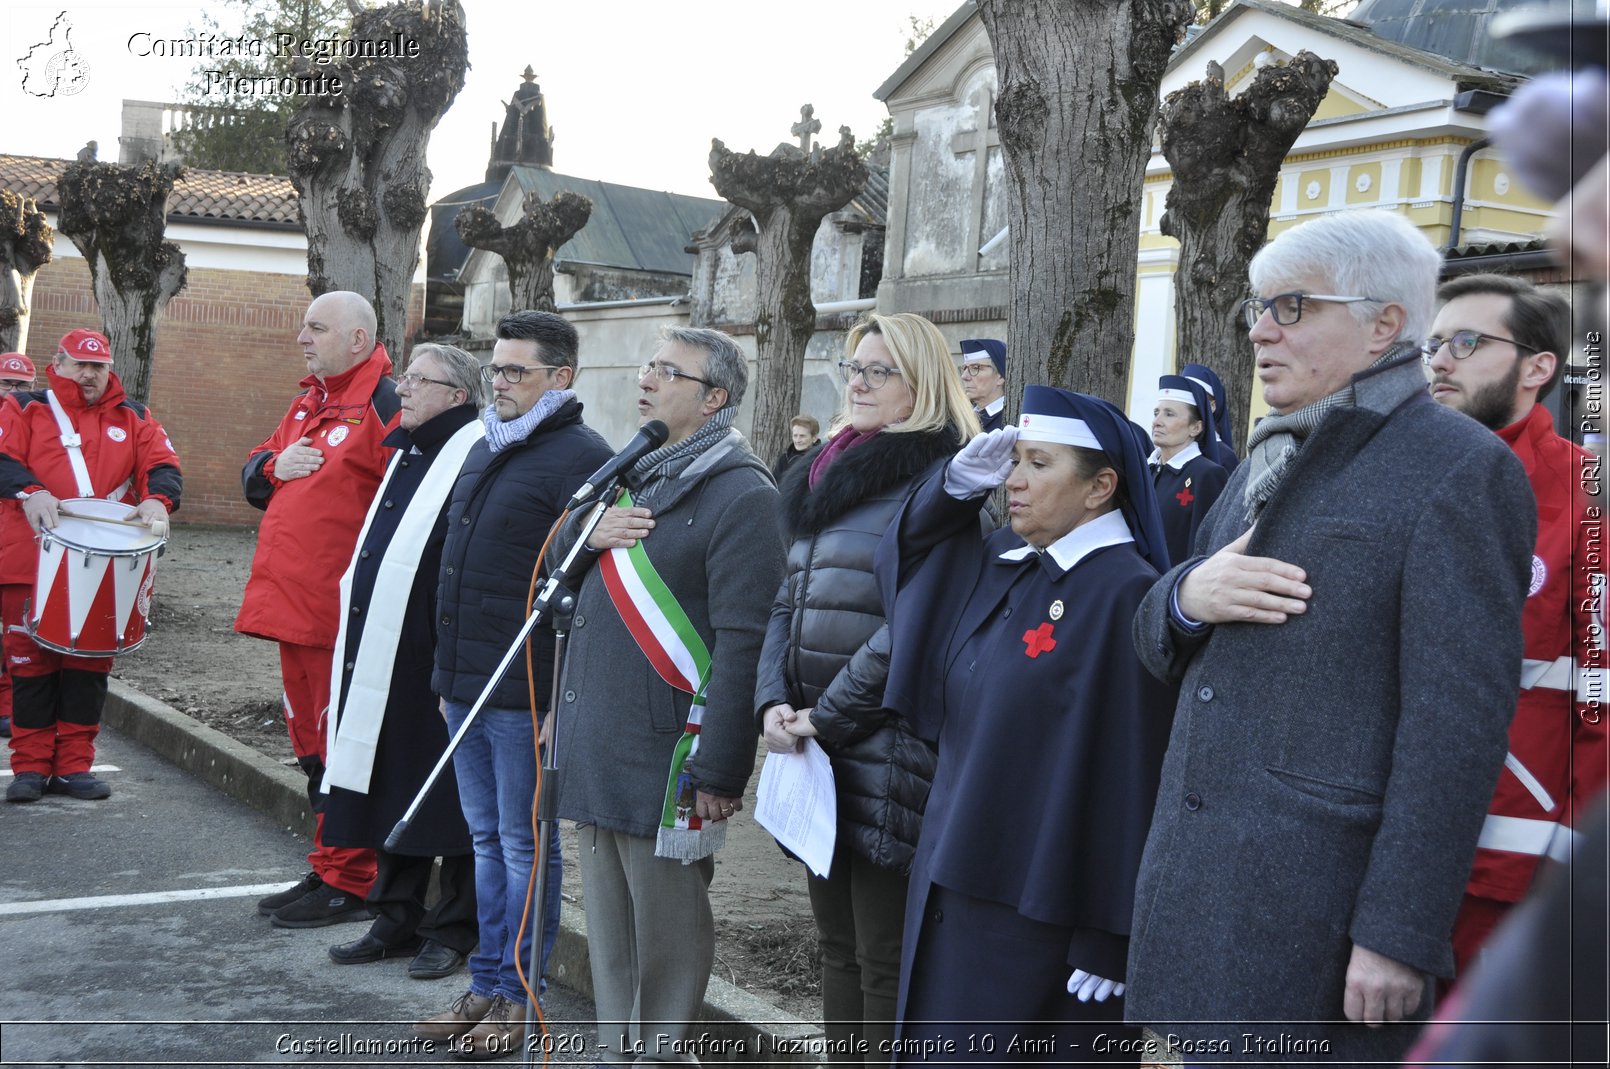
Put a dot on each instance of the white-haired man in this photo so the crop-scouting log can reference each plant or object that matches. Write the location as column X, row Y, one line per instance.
column 1349, row 652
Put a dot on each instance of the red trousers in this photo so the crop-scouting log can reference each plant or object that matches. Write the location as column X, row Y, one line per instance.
column 305, row 671
column 56, row 699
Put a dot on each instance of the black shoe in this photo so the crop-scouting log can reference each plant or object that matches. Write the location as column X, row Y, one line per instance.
column 281, row 899
column 321, row 906
column 367, row 948
column 434, row 961
column 26, row 787
column 81, row 785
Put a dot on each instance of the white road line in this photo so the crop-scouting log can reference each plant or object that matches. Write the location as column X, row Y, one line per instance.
column 67, row 905
column 93, row 768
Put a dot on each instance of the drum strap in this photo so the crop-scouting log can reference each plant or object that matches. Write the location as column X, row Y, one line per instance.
column 73, row 444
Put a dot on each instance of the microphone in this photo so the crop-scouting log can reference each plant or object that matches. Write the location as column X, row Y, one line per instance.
column 649, row 437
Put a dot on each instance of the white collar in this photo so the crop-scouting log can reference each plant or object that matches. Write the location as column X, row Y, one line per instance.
column 1110, row 529
column 994, row 407
column 1180, row 459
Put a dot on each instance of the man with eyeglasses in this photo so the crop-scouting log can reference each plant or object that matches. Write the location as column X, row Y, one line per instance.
column 656, row 723
column 1349, row 651
column 314, row 477
column 1495, row 352
column 513, row 487
column 984, row 380
column 384, row 731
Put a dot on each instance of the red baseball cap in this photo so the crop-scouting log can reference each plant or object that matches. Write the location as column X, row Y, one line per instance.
column 16, row 366
column 86, row 346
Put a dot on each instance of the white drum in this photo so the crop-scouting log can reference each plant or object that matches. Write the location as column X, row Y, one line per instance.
column 92, row 594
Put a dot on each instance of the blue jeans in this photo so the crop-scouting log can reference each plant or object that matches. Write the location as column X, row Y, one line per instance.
column 496, row 767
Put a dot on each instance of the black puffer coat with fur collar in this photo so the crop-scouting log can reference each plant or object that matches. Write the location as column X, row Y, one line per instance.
column 827, row 644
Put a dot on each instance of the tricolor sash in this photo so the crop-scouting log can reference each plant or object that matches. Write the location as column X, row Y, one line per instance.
column 679, row 656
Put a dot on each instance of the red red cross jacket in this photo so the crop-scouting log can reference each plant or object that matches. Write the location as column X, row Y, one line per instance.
column 125, row 449
column 1557, row 749
column 306, row 539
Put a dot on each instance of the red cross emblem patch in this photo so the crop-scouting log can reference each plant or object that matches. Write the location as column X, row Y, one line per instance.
column 1039, row 641
column 1185, row 497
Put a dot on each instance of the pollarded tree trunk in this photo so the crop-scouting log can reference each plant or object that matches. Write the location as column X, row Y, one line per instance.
column 1076, row 108
column 25, row 247
column 116, row 216
column 788, row 193
column 528, row 247
column 357, row 158
column 1225, row 154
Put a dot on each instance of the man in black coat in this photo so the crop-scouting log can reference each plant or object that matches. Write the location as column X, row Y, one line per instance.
column 511, row 490
column 385, row 732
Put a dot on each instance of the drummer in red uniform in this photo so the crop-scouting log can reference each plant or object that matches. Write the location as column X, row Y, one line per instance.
column 81, row 437
column 1496, row 351
column 16, row 373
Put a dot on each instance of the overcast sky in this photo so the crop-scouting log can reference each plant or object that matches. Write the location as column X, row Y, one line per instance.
column 635, row 88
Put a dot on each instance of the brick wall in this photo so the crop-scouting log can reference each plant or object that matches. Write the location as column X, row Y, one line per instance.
column 226, row 367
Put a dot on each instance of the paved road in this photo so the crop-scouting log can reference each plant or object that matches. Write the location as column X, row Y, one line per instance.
column 128, row 936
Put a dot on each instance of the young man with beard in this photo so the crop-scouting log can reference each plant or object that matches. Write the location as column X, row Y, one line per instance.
column 1494, row 354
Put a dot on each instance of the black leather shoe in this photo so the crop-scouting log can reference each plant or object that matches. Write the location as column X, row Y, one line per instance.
column 368, row 948
column 434, row 961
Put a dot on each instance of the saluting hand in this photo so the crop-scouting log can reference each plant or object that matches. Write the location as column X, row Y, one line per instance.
column 620, row 528
column 983, row 464
column 298, row 460
column 1231, row 587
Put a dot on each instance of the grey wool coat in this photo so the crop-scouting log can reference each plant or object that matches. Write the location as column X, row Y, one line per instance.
column 715, row 544
column 1326, row 778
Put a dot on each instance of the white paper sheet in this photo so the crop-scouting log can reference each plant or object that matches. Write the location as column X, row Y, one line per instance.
column 795, row 802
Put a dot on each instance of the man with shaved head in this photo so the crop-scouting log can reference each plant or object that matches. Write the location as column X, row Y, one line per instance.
column 314, row 477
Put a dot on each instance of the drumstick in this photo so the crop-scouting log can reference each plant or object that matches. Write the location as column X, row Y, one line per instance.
column 102, row 519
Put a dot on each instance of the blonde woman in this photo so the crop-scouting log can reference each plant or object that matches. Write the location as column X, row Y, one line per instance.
column 825, row 658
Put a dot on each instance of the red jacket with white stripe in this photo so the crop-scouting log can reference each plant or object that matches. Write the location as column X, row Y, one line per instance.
column 126, row 452
column 1557, row 753
column 306, row 539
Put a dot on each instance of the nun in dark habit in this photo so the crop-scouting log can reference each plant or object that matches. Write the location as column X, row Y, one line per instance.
column 1185, row 476
column 1014, row 653
column 1223, row 449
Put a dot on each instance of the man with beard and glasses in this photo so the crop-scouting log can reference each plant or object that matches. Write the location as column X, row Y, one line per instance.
column 1494, row 354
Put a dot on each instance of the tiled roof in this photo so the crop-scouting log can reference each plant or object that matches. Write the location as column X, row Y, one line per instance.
column 198, row 196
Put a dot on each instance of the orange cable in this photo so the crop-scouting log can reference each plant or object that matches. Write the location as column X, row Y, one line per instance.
column 536, row 746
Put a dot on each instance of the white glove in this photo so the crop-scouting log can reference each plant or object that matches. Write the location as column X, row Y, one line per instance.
column 1086, row 986
column 154, row 514
column 983, row 464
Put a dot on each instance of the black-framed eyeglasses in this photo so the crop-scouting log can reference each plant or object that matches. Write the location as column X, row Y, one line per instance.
column 1462, row 343
column 973, row 370
column 512, row 373
column 669, row 373
column 874, row 375
column 413, row 381
column 1287, row 308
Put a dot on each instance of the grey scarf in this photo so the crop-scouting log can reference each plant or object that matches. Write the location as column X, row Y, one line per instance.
column 667, row 460
column 502, row 433
column 1276, row 440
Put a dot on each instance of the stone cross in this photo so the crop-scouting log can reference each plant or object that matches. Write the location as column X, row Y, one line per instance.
column 979, row 140
column 806, row 126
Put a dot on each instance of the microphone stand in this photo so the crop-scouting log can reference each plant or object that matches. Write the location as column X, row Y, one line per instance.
column 555, row 603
